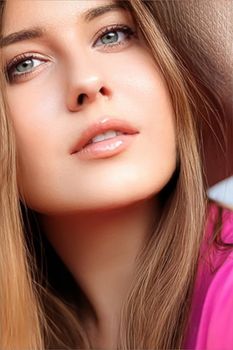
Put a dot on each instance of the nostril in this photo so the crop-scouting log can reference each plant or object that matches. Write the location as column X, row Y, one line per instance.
column 81, row 98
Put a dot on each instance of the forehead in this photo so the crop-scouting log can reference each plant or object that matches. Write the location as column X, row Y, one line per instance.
column 19, row 14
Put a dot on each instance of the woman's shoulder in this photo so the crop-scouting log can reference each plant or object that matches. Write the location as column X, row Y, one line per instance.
column 216, row 323
column 215, row 326
column 211, row 318
column 218, row 214
column 217, row 244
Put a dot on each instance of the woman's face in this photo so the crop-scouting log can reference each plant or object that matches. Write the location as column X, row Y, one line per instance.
column 48, row 76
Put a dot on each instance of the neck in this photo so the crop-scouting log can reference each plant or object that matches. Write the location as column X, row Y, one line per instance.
column 100, row 250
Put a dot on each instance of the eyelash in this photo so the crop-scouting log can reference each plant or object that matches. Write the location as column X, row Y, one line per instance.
column 129, row 32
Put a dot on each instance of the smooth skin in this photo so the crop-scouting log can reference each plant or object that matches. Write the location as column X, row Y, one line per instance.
column 96, row 213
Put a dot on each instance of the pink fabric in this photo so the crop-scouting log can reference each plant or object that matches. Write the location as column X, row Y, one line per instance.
column 211, row 319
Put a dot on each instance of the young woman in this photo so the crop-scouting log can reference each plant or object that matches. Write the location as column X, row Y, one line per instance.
column 100, row 239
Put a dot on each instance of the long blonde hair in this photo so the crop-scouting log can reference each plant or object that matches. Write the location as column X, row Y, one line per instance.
column 33, row 315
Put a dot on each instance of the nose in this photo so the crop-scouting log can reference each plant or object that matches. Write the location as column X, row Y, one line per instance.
column 85, row 89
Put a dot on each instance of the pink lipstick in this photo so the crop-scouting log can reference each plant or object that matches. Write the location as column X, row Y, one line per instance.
column 91, row 146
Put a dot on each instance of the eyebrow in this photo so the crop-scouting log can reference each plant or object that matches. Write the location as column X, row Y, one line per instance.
column 38, row 32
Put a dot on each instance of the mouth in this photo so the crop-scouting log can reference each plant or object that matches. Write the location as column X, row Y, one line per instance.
column 103, row 134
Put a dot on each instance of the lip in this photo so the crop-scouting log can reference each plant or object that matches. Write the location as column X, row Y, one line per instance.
column 103, row 125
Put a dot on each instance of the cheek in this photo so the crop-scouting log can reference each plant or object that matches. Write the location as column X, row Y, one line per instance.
column 35, row 129
column 154, row 109
column 34, row 112
column 145, row 92
column 140, row 87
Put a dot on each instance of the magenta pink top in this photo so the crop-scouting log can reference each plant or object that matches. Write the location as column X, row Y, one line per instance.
column 210, row 324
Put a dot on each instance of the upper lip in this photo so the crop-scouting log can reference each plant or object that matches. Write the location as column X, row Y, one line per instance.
column 100, row 127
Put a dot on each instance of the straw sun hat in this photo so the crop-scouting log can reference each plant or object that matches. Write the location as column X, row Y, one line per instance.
column 203, row 33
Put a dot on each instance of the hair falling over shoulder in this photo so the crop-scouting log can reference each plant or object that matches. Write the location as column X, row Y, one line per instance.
column 154, row 316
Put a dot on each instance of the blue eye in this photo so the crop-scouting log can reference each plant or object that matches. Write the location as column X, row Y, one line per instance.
column 26, row 65
column 22, row 65
column 110, row 35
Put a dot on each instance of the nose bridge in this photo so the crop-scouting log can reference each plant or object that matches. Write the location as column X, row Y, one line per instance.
column 85, row 79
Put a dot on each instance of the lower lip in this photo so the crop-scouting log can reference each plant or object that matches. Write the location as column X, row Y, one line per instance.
column 106, row 148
